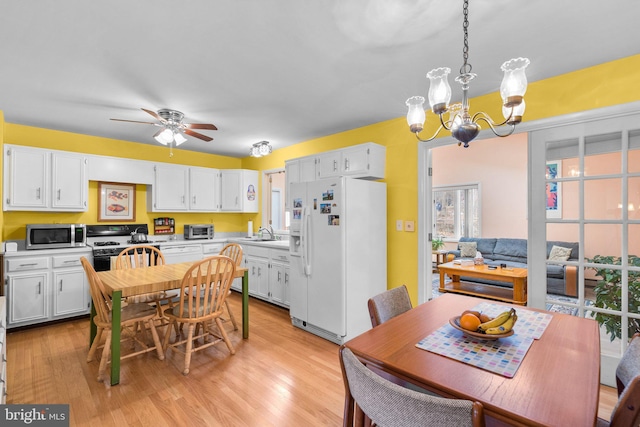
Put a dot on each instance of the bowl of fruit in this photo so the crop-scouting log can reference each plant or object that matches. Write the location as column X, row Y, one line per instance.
column 479, row 325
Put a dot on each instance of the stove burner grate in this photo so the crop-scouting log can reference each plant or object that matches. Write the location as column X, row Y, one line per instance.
column 106, row 243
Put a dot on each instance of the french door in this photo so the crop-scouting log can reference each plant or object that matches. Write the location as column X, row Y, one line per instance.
column 584, row 186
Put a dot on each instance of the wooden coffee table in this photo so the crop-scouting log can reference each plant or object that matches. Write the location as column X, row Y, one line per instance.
column 516, row 276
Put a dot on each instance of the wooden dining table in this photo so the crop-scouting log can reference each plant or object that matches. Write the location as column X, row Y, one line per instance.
column 556, row 384
column 135, row 281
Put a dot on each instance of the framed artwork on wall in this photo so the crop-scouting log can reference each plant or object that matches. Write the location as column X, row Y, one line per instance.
column 116, row 202
column 554, row 189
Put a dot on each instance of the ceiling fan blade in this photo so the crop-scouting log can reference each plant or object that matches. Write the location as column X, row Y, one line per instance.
column 198, row 135
column 154, row 114
column 133, row 121
column 208, row 126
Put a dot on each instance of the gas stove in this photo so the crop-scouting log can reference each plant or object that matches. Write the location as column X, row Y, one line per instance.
column 109, row 240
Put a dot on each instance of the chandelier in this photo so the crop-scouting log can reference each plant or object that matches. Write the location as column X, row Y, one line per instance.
column 460, row 123
column 260, row 149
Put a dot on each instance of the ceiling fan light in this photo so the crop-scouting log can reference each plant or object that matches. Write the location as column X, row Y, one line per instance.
column 167, row 136
column 158, row 137
column 179, row 138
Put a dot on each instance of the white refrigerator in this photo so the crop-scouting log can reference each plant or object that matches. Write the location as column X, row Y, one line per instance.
column 338, row 247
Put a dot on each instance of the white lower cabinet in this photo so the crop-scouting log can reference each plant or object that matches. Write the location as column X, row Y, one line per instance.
column 279, row 277
column 27, row 297
column 44, row 288
column 268, row 273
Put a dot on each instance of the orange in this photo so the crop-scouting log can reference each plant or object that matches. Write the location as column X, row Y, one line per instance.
column 470, row 322
column 484, row 318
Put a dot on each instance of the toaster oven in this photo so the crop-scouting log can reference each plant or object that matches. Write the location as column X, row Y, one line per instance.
column 198, row 231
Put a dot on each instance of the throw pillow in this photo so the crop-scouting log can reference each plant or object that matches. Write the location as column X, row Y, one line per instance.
column 558, row 253
column 468, row 249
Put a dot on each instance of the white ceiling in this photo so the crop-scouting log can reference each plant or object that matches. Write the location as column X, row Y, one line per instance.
column 285, row 71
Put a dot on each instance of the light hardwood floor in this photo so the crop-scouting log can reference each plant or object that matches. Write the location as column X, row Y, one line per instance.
column 281, row 376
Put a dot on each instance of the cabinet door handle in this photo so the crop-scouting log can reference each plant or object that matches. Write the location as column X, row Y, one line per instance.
column 259, row 271
column 194, row 200
column 279, row 276
column 335, row 165
column 346, row 164
column 60, row 285
column 29, row 264
column 253, row 270
column 38, row 193
column 39, row 288
column 236, row 200
column 286, row 277
column 182, row 200
column 59, row 192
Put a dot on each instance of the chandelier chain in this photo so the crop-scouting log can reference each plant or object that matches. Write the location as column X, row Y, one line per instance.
column 466, row 67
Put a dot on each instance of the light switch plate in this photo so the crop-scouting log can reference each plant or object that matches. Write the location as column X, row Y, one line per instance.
column 409, row 226
column 399, row 225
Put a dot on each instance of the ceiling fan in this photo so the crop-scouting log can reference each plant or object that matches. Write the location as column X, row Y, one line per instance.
column 172, row 127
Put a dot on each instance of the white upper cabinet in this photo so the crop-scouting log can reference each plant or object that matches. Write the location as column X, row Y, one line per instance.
column 360, row 161
column 239, row 190
column 179, row 188
column 329, row 164
column 68, row 192
column 365, row 161
column 37, row 179
column 204, row 189
column 171, row 188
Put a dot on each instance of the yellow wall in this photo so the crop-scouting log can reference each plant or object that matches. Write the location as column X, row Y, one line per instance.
column 600, row 86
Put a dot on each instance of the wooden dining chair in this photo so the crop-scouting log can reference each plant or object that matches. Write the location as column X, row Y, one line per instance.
column 137, row 256
column 233, row 251
column 131, row 315
column 384, row 403
column 627, row 411
column 209, row 280
column 388, row 305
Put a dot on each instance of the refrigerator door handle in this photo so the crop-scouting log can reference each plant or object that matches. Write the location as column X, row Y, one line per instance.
column 304, row 238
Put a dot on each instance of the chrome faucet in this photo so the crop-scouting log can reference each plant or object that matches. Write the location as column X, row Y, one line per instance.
column 268, row 230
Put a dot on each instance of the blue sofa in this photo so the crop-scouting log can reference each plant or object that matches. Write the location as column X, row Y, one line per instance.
column 561, row 279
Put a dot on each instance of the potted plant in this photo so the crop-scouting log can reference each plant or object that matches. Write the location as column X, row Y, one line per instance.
column 608, row 292
column 437, row 243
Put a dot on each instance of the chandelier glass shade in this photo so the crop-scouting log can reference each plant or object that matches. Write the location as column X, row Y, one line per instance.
column 463, row 126
column 260, row 149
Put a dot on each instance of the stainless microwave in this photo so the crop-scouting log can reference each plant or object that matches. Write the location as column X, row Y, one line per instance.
column 53, row 236
column 198, row 231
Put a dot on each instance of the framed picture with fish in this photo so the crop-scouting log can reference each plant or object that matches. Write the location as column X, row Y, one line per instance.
column 116, row 202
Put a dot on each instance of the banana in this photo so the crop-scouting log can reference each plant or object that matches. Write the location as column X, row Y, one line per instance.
column 505, row 327
column 497, row 321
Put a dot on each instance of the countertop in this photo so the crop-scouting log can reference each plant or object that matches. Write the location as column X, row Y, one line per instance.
column 48, row 252
column 276, row 244
column 161, row 240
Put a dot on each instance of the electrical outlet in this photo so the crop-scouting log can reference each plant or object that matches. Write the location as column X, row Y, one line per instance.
column 409, row 226
column 399, row 225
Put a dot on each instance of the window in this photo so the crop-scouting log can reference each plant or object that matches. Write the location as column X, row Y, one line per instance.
column 456, row 211
column 274, row 197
